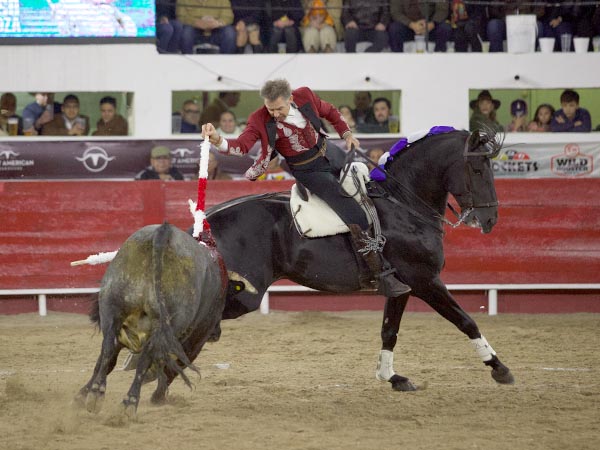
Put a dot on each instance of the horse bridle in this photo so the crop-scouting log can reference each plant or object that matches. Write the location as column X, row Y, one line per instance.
column 466, row 209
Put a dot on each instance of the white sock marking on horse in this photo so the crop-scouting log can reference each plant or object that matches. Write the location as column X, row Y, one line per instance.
column 483, row 349
column 385, row 366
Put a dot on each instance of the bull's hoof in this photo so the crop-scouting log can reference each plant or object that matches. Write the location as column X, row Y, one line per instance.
column 215, row 335
column 93, row 401
column 158, row 398
column 402, row 384
column 130, row 408
column 503, row 375
column 79, row 399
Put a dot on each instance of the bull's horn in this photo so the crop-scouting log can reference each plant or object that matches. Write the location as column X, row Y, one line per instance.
column 237, row 277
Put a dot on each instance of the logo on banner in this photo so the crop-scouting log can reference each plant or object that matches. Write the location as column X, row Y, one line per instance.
column 10, row 163
column 183, row 158
column 572, row 163
column 514, row 162
column 95, row 159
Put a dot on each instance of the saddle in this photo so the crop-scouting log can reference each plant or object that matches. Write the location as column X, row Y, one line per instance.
column 314, row 218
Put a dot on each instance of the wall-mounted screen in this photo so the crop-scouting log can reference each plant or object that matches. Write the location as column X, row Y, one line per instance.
column 76, row 21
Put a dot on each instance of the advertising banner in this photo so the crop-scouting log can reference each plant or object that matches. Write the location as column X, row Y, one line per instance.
column 124, row 159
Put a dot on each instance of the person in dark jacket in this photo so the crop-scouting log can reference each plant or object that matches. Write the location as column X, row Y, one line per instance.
column 160, row 166
column 111, row 123
column 412, row 17
column 286, row 16
column 364, row 21
column 246, row 21
column 168, row 29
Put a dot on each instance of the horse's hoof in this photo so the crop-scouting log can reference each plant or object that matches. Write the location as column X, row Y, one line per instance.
column 93, row 402
column 402, row 384
column 79, row 399
column 130, row 407
column 502, row 375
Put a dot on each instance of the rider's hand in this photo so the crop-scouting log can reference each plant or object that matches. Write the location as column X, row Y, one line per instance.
column 351, row 140
column 208, row 129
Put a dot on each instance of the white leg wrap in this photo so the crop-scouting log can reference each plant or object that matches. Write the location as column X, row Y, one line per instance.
column 483, row 349
column 385, row 365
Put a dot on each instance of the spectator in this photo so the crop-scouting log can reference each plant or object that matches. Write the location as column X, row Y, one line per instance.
column 541, row 119
column 571, row 117
column 374, row 154
column 318, row 29
column 555, row 21
column 466, row 20
column 364, row 21
column 225, row 101
column 214, row 172
column 381, row 111
column 484, row 112
column 10, row 122
column 160, row 166
column 169, row 30
column 411, row 17
column 210, row 26
column 40, row 112
column 362, row 112
column 346, row 113
column 190, row 116
column 518, row 111
column 69, row 122
column 286, row 16
column 228, row 126
column 496, row 26
column 110, row 123
column 246, row 19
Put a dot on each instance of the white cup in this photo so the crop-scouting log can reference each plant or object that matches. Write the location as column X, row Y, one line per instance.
column 485, row 46
column 420, row 45
column 430, row 47
column 596, row 43
column 581, row 44
column 449, row 47
column 409, row 47
column 546, row 44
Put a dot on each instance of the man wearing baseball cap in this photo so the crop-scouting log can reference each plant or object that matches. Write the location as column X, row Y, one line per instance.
column 160, row 166
column 518, row 111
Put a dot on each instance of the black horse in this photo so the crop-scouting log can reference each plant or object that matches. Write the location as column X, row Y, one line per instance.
column 258, row 240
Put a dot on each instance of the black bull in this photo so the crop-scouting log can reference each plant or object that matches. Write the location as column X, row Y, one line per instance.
column 161, row 297
column 258, row 239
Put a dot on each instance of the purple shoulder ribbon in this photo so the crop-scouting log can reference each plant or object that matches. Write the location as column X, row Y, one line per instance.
column 377, row 174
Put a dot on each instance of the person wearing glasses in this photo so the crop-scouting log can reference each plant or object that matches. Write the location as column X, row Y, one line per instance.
column 190, row 116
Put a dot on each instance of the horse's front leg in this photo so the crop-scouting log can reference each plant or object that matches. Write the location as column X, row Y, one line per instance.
column 392, row 315
column 438, row 297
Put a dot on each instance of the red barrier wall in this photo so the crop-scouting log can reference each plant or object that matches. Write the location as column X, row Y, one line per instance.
column 548, row 232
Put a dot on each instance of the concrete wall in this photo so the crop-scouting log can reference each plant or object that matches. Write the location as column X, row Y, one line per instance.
column 435, row 87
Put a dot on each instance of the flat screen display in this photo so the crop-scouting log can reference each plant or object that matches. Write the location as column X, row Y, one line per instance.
column 76, row 21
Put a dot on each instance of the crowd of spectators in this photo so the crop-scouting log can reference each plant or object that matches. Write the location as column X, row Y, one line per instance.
column 571, row 117
column 313, row 26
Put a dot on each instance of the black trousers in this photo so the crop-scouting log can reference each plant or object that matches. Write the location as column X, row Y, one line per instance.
column 321, row 178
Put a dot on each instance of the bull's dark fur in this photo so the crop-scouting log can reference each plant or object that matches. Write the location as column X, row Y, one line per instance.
column 161, row 296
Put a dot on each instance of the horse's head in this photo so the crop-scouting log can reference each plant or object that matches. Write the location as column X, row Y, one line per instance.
column 477, row 194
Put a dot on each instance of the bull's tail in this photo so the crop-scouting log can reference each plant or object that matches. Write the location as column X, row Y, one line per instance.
column 163, row 346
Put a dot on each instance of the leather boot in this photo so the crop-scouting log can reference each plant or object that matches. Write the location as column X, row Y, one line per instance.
column 388, row 285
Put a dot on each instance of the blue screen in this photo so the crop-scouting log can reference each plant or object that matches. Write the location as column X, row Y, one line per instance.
column 127, row 19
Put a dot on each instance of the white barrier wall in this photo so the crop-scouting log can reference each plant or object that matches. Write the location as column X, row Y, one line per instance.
column 434, row 87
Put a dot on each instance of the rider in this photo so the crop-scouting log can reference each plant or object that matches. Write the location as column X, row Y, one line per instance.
column 289, row 123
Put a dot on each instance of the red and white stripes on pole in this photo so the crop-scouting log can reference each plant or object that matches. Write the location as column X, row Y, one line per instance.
column 197, row 208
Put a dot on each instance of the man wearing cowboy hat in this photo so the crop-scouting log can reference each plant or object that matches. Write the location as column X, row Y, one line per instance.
column 484, row 112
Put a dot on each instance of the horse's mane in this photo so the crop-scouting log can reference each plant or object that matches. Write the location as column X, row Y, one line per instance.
column 282, row 195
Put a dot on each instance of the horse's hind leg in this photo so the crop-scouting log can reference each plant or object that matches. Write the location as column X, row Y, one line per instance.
column 440, row 299
column 392, row 315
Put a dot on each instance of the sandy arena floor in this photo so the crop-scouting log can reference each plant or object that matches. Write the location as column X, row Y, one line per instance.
column 306, row 381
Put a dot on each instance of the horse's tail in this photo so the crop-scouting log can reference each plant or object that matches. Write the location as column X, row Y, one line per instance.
column 163, row 344
column 488, row 137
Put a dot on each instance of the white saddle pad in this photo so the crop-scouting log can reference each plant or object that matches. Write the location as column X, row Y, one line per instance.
column 314, row 218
